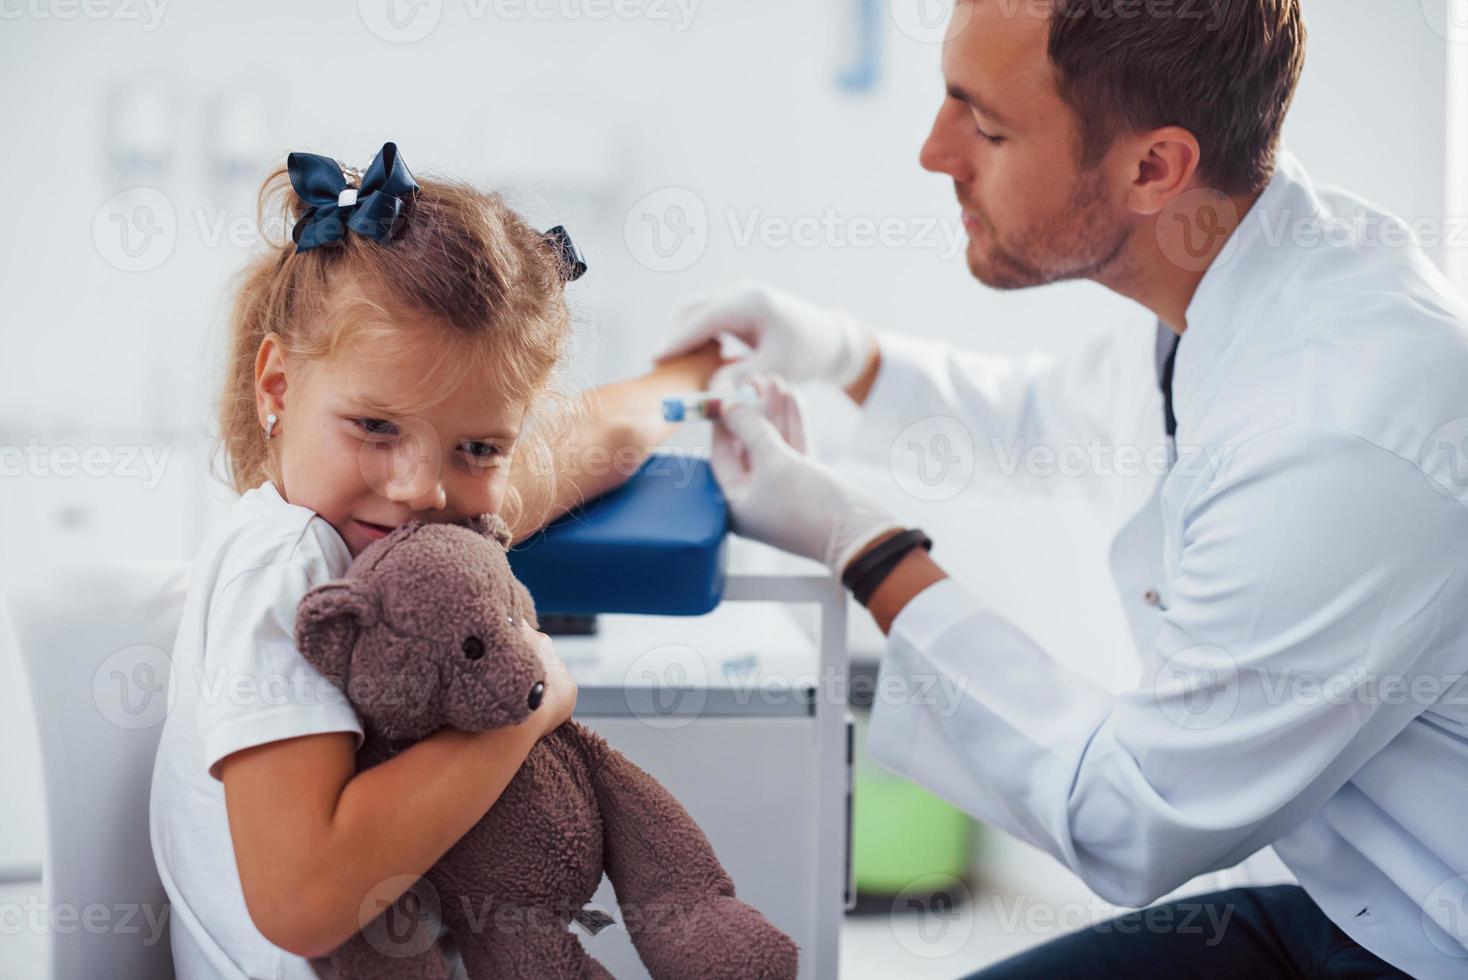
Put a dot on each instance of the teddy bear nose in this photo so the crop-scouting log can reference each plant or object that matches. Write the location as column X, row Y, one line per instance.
column 536, row 693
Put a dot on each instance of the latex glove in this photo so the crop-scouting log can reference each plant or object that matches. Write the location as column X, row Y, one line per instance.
column 779, row 495
column 788, row 336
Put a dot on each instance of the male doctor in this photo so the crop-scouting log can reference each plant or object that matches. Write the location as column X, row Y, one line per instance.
column 1299, row 592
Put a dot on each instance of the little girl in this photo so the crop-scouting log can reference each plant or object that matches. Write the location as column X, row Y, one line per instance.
column 386, row 364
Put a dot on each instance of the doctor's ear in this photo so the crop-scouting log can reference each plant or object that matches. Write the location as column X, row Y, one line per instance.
column 1166, row 166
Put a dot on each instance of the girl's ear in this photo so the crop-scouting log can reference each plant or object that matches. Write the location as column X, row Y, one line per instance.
column 492, row 526
column 328, row 622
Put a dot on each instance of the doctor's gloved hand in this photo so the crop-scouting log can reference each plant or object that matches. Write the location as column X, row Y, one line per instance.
column 788, row 336
column 779, row 495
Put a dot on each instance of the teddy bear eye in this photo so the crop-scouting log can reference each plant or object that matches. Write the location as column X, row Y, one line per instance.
column 510, row 620
column 473, row 647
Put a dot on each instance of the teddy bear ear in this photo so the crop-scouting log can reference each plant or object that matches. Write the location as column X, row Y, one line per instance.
column 328, row 622
column 493, row 526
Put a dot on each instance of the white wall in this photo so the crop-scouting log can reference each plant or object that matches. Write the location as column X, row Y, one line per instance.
column 578, row 120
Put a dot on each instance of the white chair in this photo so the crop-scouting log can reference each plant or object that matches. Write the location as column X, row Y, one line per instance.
column 95, row 641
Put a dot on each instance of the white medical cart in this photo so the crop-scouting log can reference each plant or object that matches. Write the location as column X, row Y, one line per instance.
column 742, row 714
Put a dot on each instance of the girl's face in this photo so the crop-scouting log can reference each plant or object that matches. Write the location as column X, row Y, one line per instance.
column 346, row 453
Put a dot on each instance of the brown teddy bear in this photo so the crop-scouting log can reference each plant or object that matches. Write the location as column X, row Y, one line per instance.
column 425, row 631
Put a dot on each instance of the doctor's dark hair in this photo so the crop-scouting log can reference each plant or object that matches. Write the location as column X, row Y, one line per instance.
column 1225, row 70
column 463, row 272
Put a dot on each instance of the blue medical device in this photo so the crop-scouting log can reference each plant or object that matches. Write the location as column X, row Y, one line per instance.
column 655, row 545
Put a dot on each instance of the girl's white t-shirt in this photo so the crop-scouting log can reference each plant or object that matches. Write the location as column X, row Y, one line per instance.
column 237, row 681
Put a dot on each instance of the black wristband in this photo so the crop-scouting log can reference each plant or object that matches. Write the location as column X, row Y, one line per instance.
column 870, row 570
column 866, row 584
column 872, row 557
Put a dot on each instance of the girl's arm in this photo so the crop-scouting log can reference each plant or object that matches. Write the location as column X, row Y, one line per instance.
column 316, row 842
column 622, row 423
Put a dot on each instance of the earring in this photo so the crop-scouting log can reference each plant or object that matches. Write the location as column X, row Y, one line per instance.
column 270, row 421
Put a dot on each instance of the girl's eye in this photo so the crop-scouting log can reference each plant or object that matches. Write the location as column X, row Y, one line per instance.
column 992, row 140
column 375, row 427
column 482, row 452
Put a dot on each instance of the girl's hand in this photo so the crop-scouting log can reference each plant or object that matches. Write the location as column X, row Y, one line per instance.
column 560, row 687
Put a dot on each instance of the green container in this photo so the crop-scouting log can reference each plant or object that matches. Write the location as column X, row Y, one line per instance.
column 900, row 831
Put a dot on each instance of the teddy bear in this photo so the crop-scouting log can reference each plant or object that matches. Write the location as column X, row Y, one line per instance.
column 427, row 630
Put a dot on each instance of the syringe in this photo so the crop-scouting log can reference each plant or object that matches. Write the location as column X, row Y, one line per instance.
column 705, row 404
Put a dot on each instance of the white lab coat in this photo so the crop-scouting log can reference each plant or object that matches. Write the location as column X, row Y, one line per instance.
column 1305, row 556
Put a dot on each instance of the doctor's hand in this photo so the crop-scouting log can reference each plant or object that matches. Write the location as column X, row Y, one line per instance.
column 788, row 336
column 779, row 495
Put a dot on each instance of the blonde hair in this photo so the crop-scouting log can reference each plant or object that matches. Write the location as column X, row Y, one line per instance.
column 459, row 258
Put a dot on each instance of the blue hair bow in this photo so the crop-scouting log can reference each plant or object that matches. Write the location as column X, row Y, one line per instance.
column 369, row 209
column 573, row 263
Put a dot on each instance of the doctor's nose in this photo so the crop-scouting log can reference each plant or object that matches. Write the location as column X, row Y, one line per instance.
column 941, row 152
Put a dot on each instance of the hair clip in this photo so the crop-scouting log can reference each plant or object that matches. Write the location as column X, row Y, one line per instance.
column 573, row 263
column 371, row 207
